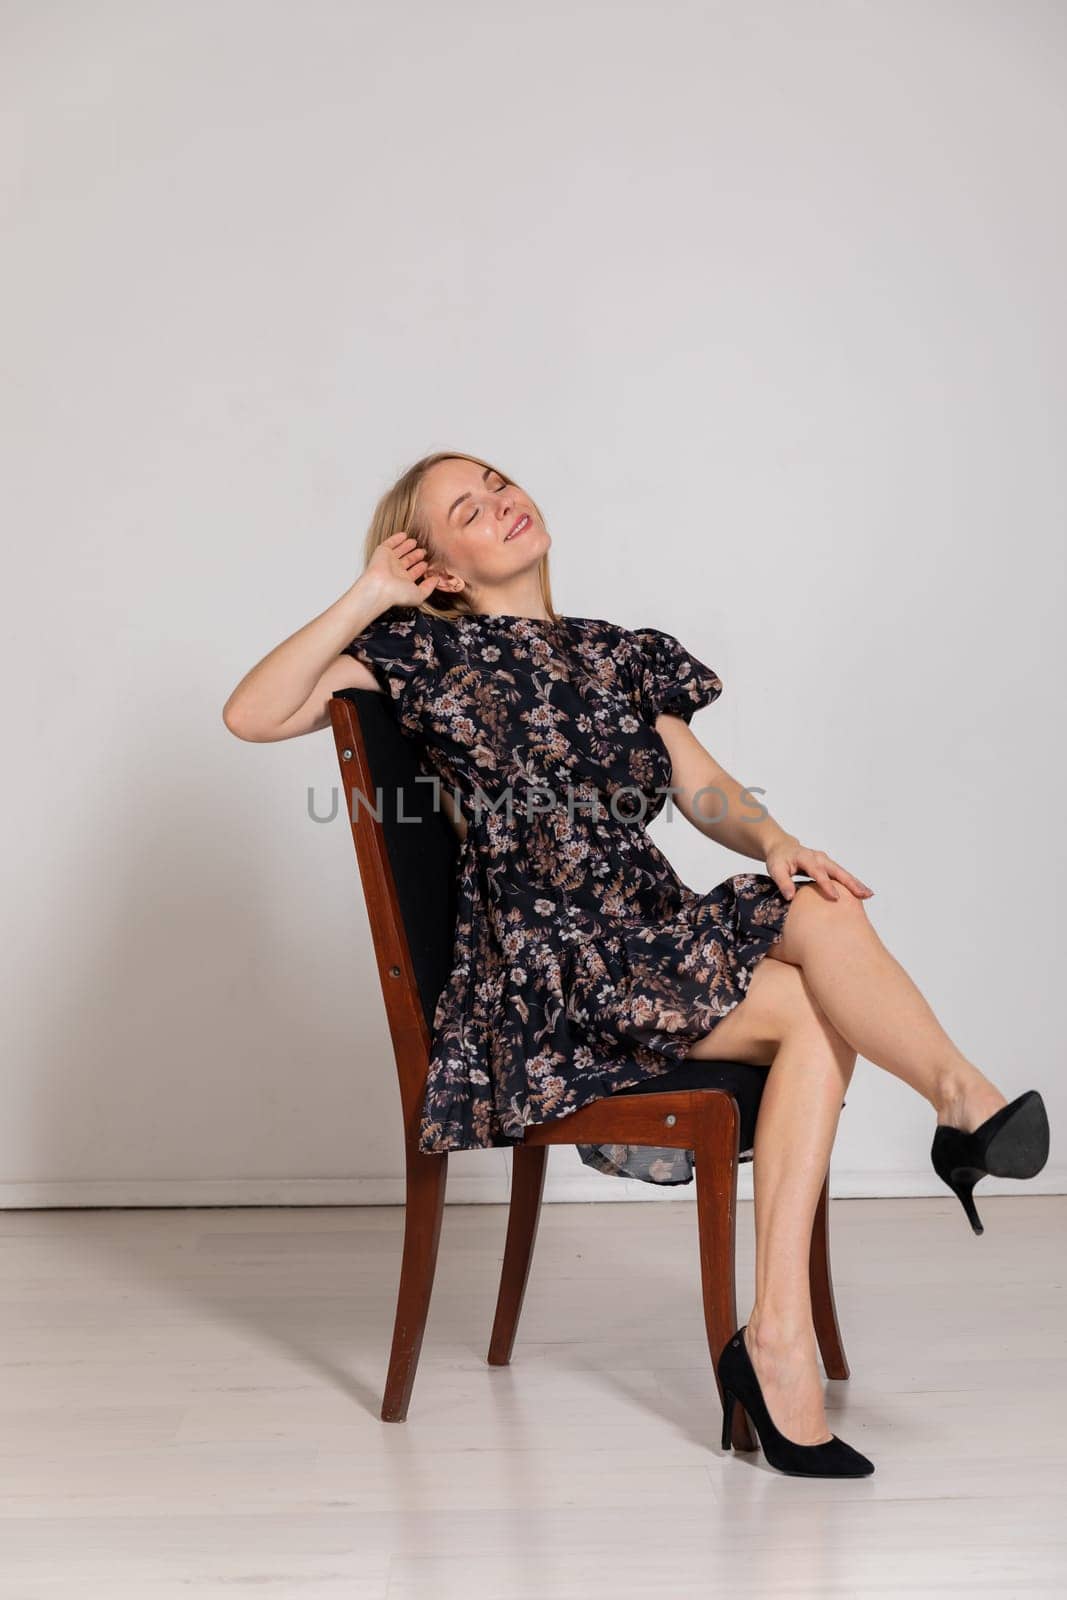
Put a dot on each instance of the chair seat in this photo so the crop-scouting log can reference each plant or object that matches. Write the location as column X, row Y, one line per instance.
column 740, row 1078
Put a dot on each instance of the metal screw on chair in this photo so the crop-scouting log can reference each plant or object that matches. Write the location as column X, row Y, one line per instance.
column 394, row 972
column 671, row 1120
column 346, row 755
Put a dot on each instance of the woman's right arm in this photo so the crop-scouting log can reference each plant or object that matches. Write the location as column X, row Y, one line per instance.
column 288, row 692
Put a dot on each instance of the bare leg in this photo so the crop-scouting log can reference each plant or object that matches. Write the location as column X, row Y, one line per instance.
column 795, row 1131
column 874, row 1005
column 844, row 995
column 779, row 1022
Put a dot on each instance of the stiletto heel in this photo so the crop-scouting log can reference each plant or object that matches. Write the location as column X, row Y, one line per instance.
column 963, row 1180
column 831, row 1459
column 1012, row 1143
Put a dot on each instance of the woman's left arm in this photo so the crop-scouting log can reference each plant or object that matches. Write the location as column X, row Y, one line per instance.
column 718, row 806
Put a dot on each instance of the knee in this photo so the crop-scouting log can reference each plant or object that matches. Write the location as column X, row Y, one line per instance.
column 816, row 903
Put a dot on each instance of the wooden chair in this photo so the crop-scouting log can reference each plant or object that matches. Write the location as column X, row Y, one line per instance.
column 407, row 872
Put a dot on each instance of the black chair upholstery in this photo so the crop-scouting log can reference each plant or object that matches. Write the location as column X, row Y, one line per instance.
column 422, row 852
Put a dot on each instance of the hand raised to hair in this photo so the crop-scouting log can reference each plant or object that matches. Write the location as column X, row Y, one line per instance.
column 397, row 570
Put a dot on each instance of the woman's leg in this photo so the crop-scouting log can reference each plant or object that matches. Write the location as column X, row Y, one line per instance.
column 795, row 1130
column 780, row 1021
column 873, row 1004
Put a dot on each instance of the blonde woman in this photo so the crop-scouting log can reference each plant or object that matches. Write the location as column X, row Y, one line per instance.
column 583, row 965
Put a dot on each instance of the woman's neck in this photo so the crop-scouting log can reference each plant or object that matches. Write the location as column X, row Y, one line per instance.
column 501, row 604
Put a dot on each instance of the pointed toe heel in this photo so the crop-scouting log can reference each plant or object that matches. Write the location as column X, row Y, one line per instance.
column 831, row 1459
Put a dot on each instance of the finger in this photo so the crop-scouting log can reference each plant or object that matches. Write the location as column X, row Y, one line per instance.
column 816, row 864
column 851, row 882
column 785, row 884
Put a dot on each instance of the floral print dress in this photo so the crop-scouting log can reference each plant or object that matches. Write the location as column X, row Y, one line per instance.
column 583, row 964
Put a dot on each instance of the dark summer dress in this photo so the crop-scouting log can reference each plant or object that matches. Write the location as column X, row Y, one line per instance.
column 583, row 964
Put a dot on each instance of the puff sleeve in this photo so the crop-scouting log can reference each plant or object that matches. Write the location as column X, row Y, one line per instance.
column 399, row 646
column 668, row 678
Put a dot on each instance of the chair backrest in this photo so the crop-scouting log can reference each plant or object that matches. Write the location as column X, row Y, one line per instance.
column 406, row 849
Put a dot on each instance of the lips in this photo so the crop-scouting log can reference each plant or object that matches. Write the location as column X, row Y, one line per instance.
column 520, row 527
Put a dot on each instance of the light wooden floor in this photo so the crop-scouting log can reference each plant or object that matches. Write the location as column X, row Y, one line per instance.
column 190, row 1407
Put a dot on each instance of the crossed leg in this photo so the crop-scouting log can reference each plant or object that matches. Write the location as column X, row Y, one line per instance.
column 869, row 999
column 827, row 991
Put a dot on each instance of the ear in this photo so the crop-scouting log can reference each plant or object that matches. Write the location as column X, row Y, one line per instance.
column 445, row 580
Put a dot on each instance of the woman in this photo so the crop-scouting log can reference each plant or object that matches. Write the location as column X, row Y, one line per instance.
column 583, row 965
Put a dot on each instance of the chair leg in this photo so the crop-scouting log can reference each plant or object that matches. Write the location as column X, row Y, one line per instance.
column 427, row 1174
column 528, row 1163
column 824, row 1312
column 715, row 1156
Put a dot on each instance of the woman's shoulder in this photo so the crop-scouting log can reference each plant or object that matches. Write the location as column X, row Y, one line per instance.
column 598, row 627
column 607, row 625
column 633, row 643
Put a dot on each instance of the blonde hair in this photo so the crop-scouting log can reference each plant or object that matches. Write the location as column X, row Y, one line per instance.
column 399, row 508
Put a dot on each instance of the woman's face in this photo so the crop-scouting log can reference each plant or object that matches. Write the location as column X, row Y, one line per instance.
column 471, row 511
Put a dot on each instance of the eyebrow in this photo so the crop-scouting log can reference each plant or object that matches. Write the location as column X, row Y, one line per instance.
column 467, row 494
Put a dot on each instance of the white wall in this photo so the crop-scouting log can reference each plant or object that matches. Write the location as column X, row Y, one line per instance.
column 764, row 304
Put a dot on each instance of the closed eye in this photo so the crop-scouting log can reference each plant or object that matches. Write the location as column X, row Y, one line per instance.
column 501, row 485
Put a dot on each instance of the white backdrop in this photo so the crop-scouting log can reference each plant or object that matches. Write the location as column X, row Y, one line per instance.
column 762, row 303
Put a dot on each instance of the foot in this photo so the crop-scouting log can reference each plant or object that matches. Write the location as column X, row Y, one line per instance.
column 966, row 1102
column 788, row 1374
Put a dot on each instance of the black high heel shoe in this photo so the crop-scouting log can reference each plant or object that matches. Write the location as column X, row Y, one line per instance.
column 1012, row 1143
column 831, row 1459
